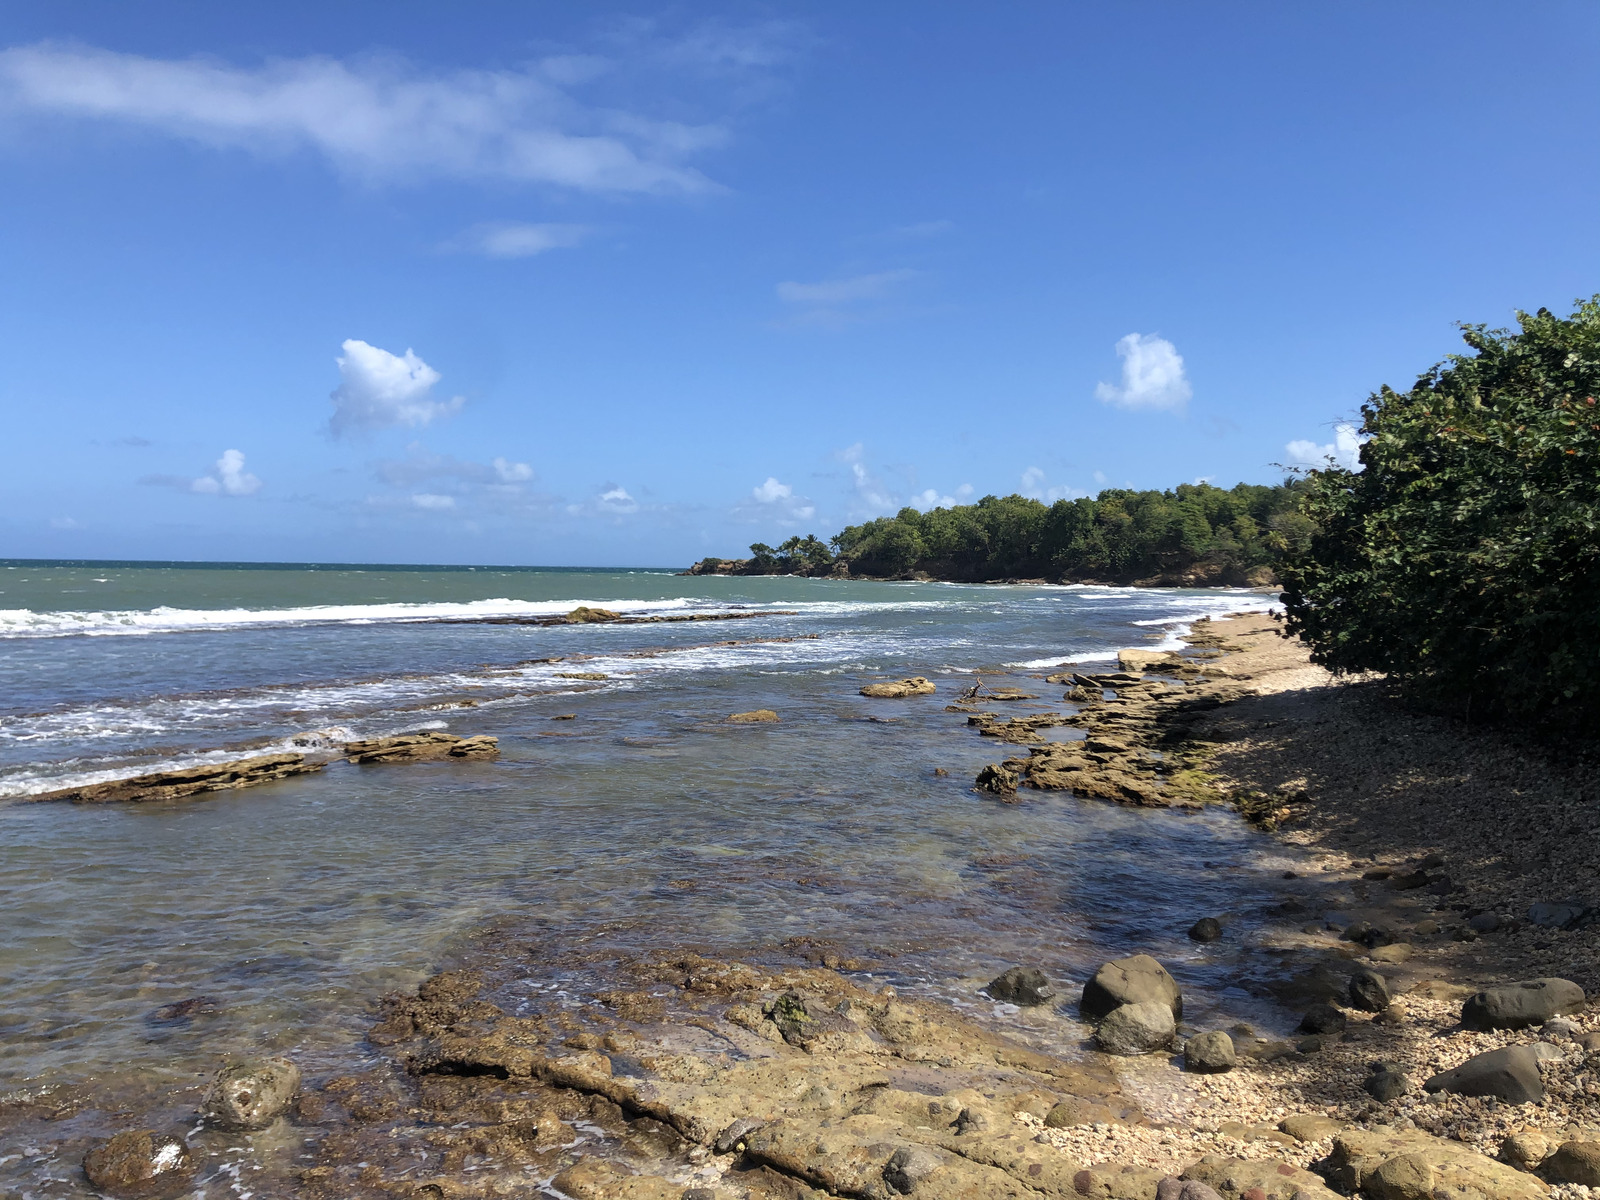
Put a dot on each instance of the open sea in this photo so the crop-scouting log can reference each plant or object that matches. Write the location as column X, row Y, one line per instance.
column 646, row 820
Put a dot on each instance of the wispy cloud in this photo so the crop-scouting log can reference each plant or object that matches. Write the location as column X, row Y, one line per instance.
column 433, row 502
column 229, row 479
column 381, row 119
column 931, row 498
column 513, row 239
column 1152, row 376
column 1035, row 486
column 382, row 390
column 615, row 499
column 1343, row 451
column 422, row 464
column 844, row 291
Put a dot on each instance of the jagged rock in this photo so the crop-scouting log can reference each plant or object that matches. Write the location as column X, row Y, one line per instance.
column 1209, row 1053
column 1510, row 1074
column 813, row 1027
column 252, row 1093
column 1136, row 1028
column 1518, row 1005
column 756, row 717
column 140, row 1164
column 1239, row 1178
column 1369, row 991
column 1310, row 1127
column 1134, row 980
column 584, row 615
column 997, row 780
column 421, row 747
column 900, row 689
column 1206, row 929
column 189, row 781
column 1323, row 1018
column 1576, row 1162
column 1423, row 1166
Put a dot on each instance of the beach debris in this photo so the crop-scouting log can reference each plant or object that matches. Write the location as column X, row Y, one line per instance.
column 140, row 1164
column 757, row 716
column 1519, row 1005
column 1025, row 986
column 1209, row 1053
column 188, row 781
column 252, row 1093
column 899, row 689
column 429, row 746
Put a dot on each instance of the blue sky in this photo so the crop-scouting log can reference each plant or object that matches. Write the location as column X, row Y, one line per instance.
column 630, row 284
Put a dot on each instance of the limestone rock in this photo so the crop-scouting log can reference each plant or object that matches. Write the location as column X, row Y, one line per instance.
column 900, row 689
column 1310, row 1127
column 1137, row 661
column 1137, row 979
column 430, row 746
column 252, row 1093
column 1510, row 1074
column 909, row 1166
column 1026, row 986
column 758, row 716
column 1113, row 1181
column 1136, row 1029
column 1369, row 991
column 140, row 1164
column 814, row 1028
column 189, row 781
column 997, row 780
column 600, row 1179
column 1209, row 1053
column 1518, row 1005
column 1237, row 1178
column 1576, row 1162
column 1359, row 1157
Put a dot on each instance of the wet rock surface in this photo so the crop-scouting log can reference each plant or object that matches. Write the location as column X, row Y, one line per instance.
column 1026, row 986
column 253, row 1093
column 900, row 689
column 190, row 781
column 1137, row 979
column 140, row 1164
column 431, row 746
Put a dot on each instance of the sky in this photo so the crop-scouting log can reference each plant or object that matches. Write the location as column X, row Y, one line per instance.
column 627, row 285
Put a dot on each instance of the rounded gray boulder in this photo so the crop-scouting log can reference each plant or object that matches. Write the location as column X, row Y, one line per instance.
column 1138, row 979
column 1026, row 986
column 1209, row 1053
column 1137, row 1029
column 1369, row 991
column 1510, row 1074
column 1519, row 1005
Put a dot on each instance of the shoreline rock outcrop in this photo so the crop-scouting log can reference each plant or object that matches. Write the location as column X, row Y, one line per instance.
column 189, row 781
column 429, row 746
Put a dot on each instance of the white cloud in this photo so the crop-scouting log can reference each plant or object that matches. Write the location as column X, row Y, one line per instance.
column 615, row 499
column 931, row 499
column 772, row 491
column 376, row 118
column 512, row 239
column 433, row 502
column 1034, row 487
column 871, row 496
column 65, row 523
column 1152, row 376
column 844, row 291
column 381, row 390
column 230, row 478
column 512, row 472
column 1344, row 450
column 780, row 496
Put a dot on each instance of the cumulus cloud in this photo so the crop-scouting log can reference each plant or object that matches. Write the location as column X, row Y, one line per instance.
column 512, row 472
column 229, row 479
column 381, row 390
column 514, row 239
column 1152, row 376
column 776, row 499
column 381, row 119
column 615, row 499
column 844, row 291
column 931, row 498
column 1035, row 487
column 1344, row 450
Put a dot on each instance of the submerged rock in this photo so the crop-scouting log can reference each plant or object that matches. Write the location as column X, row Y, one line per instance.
column 140, row 1164
column 1518, row 1005
column 759, row 716
column 1510, row 1074
column 431, row 746
column 1137, row 979
column 1026, row 986
column 189, row 781
column 1206, row 929
column 898, row 690
column 253, row 1093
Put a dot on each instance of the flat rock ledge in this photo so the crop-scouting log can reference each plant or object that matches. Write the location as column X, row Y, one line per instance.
column 421, row 747
column 189, row 781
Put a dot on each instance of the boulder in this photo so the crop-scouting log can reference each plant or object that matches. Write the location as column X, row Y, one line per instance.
column 1026, row 986
column 1527, row 1149
column 1114, row 1181
column 140, row 1164
column 1369, row 991
column 252, row 1093
column 1323, row 1018
column 1559, row 1029
column 1206, row 929
column 1209, row 1053
column 900, row 689
column 758, row 716
column 1510, row 1074
column 1575, row 1162
column 1484, row 922
column 189, row 781
column 1257, row 1179
column 1367, row 934
column 813, row 1027
column 1567, row 914
column 1310, row 1127
column 1397, row 952
column 1137, row 1028
column 1137, row 661
column 1173, row 1188
column 430, row 746
column 584, row 615
column 1386, row 1082
column 909, row 1166
column 1138, row 979
column 996, row 780
column 1423, row 1167
column 1518, row 1005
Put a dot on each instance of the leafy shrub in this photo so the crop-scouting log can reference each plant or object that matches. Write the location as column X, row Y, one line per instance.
column 1464, row 558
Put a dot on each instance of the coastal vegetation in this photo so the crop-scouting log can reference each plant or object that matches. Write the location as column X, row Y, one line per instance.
column 1192, row 534
column 1463, row 558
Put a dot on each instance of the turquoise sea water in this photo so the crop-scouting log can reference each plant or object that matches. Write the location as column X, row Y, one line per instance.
column 647, row 820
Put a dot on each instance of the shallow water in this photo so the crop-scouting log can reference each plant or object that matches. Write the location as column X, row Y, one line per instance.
column 646, row 821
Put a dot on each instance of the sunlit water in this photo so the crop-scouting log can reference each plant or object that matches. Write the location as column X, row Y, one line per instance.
column 648, row 820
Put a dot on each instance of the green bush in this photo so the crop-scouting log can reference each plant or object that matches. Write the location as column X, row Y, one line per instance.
column 1464, row 557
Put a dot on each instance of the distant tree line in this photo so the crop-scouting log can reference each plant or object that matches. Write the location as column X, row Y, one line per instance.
column 1192, row 534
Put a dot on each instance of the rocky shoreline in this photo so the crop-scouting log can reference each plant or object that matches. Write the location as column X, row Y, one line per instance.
column 1425, row 1067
